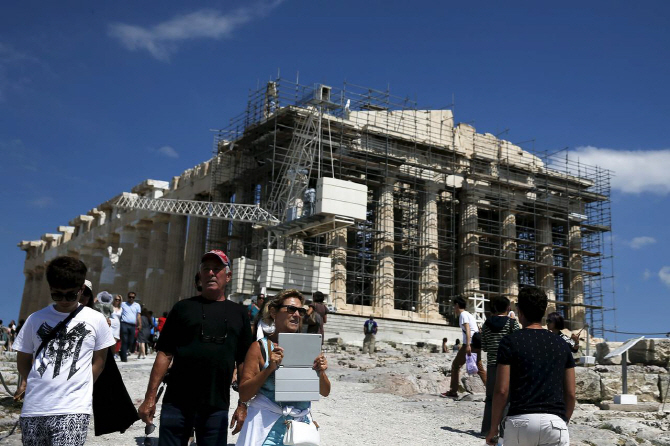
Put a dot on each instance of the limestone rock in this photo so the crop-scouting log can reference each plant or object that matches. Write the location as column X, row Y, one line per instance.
column 588, row 385
column 473, row 384
column 605, row 348
column 644, row 385
column 650, row 352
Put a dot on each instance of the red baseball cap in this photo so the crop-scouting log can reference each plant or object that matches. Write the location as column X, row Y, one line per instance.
column 219, row 255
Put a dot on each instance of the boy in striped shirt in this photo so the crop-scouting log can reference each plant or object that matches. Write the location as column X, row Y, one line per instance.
column 495, row 328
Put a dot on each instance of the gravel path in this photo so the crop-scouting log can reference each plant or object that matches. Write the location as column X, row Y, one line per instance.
column 354, row 414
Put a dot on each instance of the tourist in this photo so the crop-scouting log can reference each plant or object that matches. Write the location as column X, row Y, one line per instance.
column 144, row 334
column 555, row 324
column 86, row 298
column 203, row 337
column 370, row 332
column 456, row 346
column 115, row 322
column 130, row 321
column 69, row 342
column 471, row 344
column 265, row 423
column 255, row 306
column 319, row 306
column 12, row 331
column 4, row 338
column 313, row 321
column 445, row 347
column 20, row 326
column 536, row 371
column 161, row 321
column 495, row 327
column 103, row 303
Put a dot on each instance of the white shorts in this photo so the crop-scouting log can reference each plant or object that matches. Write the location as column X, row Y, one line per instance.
column 536, row 429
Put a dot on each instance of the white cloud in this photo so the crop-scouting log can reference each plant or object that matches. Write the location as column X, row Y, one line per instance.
column 646, row 274
column 14, row 69
column 168, row 151
column 162, row 40
column 42, row 202
column 635, row 171
column 664, row 275
column 640, row 242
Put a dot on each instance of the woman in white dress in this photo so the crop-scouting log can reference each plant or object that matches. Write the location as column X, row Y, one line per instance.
column 115, row 322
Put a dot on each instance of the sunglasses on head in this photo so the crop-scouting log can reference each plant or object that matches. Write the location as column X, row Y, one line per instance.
column 70, row 296
column 291, row 309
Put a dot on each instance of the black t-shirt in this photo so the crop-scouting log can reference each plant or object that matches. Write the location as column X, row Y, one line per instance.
column 202, row 371
column 537, row 360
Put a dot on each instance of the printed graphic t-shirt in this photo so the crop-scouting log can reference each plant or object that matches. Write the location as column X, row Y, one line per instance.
column 61, row 378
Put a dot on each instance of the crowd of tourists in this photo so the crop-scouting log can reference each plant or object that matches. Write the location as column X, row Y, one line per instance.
column 208, row 344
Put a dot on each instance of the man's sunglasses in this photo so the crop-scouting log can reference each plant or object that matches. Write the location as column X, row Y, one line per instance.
column 291, row 309
column 70, row 296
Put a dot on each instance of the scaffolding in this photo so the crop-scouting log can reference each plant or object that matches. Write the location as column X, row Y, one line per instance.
column 441, row 220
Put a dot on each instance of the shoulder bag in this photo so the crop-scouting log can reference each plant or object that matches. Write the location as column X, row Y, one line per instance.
column 299, row 433
column 54, row 331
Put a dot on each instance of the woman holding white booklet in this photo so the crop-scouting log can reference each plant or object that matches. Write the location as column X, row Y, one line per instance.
column 265, row 424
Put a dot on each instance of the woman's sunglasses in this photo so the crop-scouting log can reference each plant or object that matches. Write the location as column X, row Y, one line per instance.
column 291, row 309
column 69, row 296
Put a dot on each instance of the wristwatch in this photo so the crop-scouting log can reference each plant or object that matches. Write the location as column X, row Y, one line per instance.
column 245, row 403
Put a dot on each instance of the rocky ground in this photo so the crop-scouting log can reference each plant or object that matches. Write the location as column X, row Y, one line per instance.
column 393, row 399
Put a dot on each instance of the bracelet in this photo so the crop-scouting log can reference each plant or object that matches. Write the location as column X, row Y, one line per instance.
column 243, row 403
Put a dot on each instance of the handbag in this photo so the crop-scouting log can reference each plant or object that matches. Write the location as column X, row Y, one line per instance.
column 299, row 433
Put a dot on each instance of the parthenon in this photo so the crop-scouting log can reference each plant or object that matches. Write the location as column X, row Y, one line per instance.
column 445, row 211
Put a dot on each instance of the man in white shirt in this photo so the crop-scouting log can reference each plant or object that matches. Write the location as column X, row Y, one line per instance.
column 131, row 319
column 58, row 385
column 472, row 343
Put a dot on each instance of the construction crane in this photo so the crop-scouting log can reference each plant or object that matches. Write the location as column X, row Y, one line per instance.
column 245, row 213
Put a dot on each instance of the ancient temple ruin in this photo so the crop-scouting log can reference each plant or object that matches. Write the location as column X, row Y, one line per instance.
column 387, row 208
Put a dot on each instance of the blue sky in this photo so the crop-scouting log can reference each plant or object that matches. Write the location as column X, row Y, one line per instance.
column 98, row 96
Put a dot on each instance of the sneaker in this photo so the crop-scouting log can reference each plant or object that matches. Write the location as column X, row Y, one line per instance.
column 449, row 395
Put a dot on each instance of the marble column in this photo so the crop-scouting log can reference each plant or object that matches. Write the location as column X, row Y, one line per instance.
column 123, row 267
column 174, row 264
column 469, row 247
column 195, row 248
column 510, row 271
column 576, row 277
column 28, row 293
column 155, row 269
column 384, row 275
column 338, row 279
column 140, row 260
column 545, row 273
column 428, row 252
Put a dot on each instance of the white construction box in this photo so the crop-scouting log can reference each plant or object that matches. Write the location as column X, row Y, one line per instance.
column 281, row 269
column 339, row 197
column 625, row 399
column 245, row 275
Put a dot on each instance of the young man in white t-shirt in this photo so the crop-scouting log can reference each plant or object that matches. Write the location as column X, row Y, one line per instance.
column 58, row 384
column 472, row 343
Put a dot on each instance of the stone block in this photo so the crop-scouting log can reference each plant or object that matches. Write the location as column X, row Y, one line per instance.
column 473, row 384
column 650, row 352
column 603, row 349
column 588, row 385
column 644, row 385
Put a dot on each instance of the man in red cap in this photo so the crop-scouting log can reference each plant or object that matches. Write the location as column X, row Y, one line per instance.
column 204, row 337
